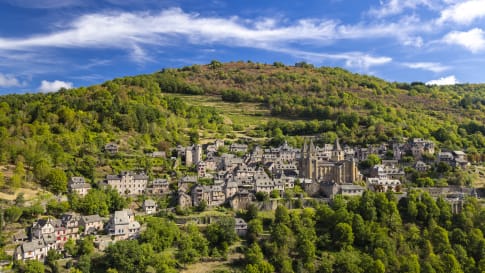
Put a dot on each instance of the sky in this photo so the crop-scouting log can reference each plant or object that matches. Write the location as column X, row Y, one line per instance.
column 46, row 45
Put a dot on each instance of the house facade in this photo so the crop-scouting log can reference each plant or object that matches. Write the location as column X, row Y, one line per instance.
column 128, row 183
column 122, row 225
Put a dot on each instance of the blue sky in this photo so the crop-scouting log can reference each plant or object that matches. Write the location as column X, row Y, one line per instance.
column 48, row 44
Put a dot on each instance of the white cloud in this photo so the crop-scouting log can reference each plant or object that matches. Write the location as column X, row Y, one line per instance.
column 473, row 40
column 54, row 86
column 434, row 67
column 133, row 31
column 365, row 61
column 352, row 59
column 123, row 30
column 9, row 81
column 450, row 80
column 394, row 7
column 463, row 12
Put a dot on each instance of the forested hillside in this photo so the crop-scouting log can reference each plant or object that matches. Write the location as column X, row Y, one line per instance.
column 68, row 129
column 359, row 108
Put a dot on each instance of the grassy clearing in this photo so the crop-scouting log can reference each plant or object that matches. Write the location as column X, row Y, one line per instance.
column 245, row 114
column 478, row 173
column 29, row 194
column 206, row 267
column 209, row 266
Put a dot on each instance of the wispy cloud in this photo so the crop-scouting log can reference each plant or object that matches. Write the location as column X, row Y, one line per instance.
column 9, row 81
column 394, row 23
column 123, row 30
column 463, row 12
column 473, row 40
column 94, row 63
column 47, row 86
column 394, row 7
column 434, row 67
column 134, row 31
column 357, row 60
column 450, row 80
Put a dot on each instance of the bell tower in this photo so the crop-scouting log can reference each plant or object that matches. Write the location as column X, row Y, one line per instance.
column 337, row 152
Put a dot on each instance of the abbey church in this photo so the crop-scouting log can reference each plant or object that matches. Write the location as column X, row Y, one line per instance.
column 328, row 164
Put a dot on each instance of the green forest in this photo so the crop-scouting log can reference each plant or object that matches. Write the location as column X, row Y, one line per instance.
column 372, row 233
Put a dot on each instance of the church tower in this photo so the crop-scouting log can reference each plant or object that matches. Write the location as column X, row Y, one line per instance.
column 337, row 152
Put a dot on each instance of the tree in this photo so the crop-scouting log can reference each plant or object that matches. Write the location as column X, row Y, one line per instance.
column 160, row 233
column 252, row 212
column 114, row 200
column 84, row 263
column 129, row 256
column 42, row 169
column 262, row 196
column 186, row 253
column 57, row 181
column 16, row 181
column 410, row 264
column 12, row 214
column 275, row 194
column 255, row 260
column 57, row 208
column 343, row 235
column 347, row 262
column 255, row 228
column 2, row 180
column 282, row 215
column 199, row 242
column 52, row 257
column 20, row 170
column 221, row 234
column 33, row 266
column 201, row 206
column 370, row 162
column 70, row 247
column 85, row 246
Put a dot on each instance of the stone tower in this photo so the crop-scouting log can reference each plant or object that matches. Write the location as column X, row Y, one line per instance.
column 308, row 160
column 337, row 153
column 189, row 156
column 197, row 156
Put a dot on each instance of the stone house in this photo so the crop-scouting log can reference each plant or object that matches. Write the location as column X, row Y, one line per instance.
column 71, row 224
column 184, row 200
column 128, row 183
column 383, row 184
column 231, row 188
column 390, row 171
column 241, row 227
column 44, row 228
column 91, row 223
column 122, row 225
column 149, row 206
column 35, row 250
column 266, row 186
column 332, row 189
column 159, row 186
column 213, row 195
column 77, row 184
column 236, row 147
